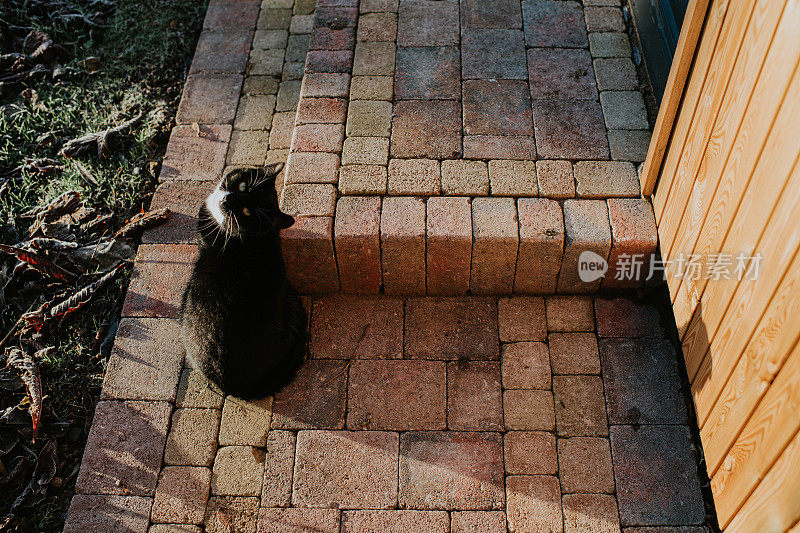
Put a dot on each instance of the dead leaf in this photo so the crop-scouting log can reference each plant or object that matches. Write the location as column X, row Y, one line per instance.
column 22, row 362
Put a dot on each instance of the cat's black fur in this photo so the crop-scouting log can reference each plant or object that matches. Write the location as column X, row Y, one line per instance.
column 243, row 325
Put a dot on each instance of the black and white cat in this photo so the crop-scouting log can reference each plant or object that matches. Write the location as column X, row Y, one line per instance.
column 242, row 323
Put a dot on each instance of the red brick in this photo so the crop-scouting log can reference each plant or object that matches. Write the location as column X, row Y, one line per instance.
column 332, row 39
column 481, row 14
column 321, row 111
column 298, row 520
column 529, row 410
column 357, row 239
column 278, row 466
column 196, row 156
column 561, row 73
column 622, row 317
column 124, row 448
column 591, row 512
column 541, row 245
column 530, row 452
column 522, row 318
column 451, row 470
column 396, row 395
column 329, row 62
column 499, row 147
column 181, row 495
column 587, row 230
column 534, row 504
column 497, row 107
column 427, row 23
column 350, row 469
column 585, row 464
column 377, row 27
column 183, row 199
column 555, row 179
column 325, row 85
column 478, row 522
column 570, row 129
column 225, row 514
column 426, row 128
column 145, row 364
column 318, row 138
column 403, row 245
column 312, row 167
column 209, row 99
column 574, row 353
column 451, row 328
column 633, row 233
column 101, row 514
column 308, row 200
column 414, row 177
column 449, row 245
column 314, row 400
column 307, row 248
column 343, row 327
column 526, row 365
column 580, row 406
column 550, row 23
column 222, row 51
column 474, row 400
column 428, row 73
column 493, row 54
column 569, row 313
column 494, row 246
column 231, row 15
column 395, row 521
column 159, row 275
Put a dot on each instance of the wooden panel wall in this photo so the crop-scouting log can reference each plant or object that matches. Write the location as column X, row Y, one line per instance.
column 729, row 182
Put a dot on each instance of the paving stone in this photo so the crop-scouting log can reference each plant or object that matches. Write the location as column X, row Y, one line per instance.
column 451, row 470
column 100, row 514
column 325, row 85
column 526, row 365
column 274, row 19
column 254, row 112
column 541, row 244
column 374, row 59
column 182, row 199
column 357, row 241
column 312, row 167
column 318, row 138
column 350, row 469
column 321, row 111
column 238, row 471
column 280, row 135
column 513, row 178
column 414, row 176
column 522, row 319
column 293, row 70
column 245, row 423
column 451, row 328
column 278, row 465
column 365, row 151
column 494, row 246
column 493, row 54
column 601, row 179
column 288, row 96
column 529, row 410
column 499, row 147
column 395, row 521
column 474, row 401
column 533, row 500
column 225, row 514
column 194, row 390
column 494, row 107
column 642, row 382
column 181, row 495
column 426, row 128
column 140, row 366
column 403, row 245
column 302, row 23
column 530, row 452
column 373, row 6
column 569, row 129
column 307, row 249
column 329, row 61
column 160, row 272
column 609, row 45
column 580, row 406
column 634, row 242
column 569, row 313
column 622, row 317
column 551, row 23
column 449, row 244
column 265, row 39
column 586, row 231
column 209, row 99
column 192, row 438
column 276, row 4
column 629, row 145
column 335, row 38
column 362, row 179
column 377, row 27
column 624, row 110
column 310, row 200
column 590, row 512
column 266, row 62
column 260, row 85
column 574, row 353
column 656, row 476
column 230, row 15
column 193, row 156
column 315, row 399
column 124, row 448
column 248, row 147
column 222, row 51
column 366, row 118
column 297, row 520
column 397, row 395
column 371, row 88
column 174, row 528
column 616, row 74
column 602, row 19
column 428, row 73
column 465, row 178
column 585, row 464
column 561, row 73
column 478, row 522
column 503, row 14
column 667, row 529
column 427, row 23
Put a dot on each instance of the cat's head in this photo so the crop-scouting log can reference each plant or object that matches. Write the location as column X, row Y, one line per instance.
column 245, row 203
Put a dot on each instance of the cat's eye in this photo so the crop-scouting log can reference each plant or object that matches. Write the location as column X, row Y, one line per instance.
column 246, row 211
column 242, row 188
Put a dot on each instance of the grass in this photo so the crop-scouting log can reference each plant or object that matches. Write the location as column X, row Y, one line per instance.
column 144, row 48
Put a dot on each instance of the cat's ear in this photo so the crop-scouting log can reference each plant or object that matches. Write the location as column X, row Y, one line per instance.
column 273, row 170
column 284, row 221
